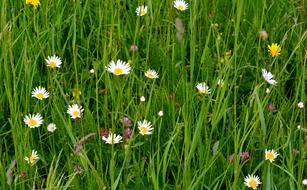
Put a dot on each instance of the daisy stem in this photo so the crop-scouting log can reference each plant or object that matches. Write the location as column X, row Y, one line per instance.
column 112, row 167
column 268, row 178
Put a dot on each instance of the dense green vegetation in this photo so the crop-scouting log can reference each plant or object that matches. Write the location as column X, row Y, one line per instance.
column 202, row 141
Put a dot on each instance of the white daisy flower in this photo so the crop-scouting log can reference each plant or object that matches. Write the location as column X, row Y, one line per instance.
column 112, row 139
column 304, row 182
column 92, row 71
column 141, row 10
column 151, row 74
column 145, row 127
column 53, row 61
column 270, row 155
column 252, row 181
column 300, row 105
column 181, row 5
column 32, row 159
column 268, row 77
column 51, row 127
column 75, row 111
column 119, row 68
column 33, row 121
column 40, row 93
column 203, row 88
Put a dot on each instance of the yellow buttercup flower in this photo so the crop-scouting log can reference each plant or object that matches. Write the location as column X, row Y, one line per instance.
column 274, row 49
column 34, row 3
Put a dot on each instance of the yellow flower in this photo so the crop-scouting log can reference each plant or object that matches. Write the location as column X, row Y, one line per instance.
column 274, row 49
column 34, row 3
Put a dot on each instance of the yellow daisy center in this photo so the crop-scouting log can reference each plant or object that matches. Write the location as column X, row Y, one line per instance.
column 180, row 7
column 118, row 71
column 142, row 12
column 252, row 183
column 40, row 95
column 203, row 91
column 270, row 156
column 150, row 75
column 144, row 130
column 76, row 113
column 32, row 122
column 31, row 158
column 112, row 141
column 52, row 64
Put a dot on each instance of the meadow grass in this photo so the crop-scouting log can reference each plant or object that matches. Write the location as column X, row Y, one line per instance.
column 197, row 142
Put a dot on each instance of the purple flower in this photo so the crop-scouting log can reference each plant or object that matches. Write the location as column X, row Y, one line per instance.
column 128, row 133
column 126, row 121
column 271, row 108
column 103, row 132
column 24, row 174
column 244, row 156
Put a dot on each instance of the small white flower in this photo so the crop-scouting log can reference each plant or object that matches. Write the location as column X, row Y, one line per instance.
column 220, row 83
column 40, row 93
column 160, row 113
column 119, row 68
column 203, row 88
column 268, row 77
column 151, row 74
column 51, row 127
column 32, row 159
column 300, row 105
column 298, row 127
column 141, row 10
column 252, row 181
column 271, row 155
column 92, row 71
column 34, row 120
column 145, row 127
column 268, row 91
column 112, row 139
column 75, row 111
column 53, row 61
column 304, row 182
column 181, row 5
column 142, row 99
